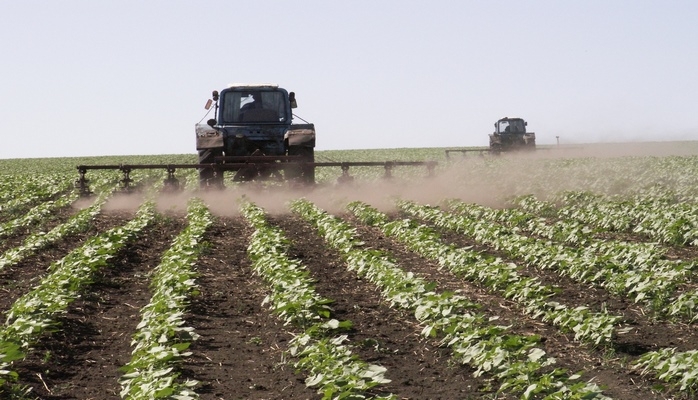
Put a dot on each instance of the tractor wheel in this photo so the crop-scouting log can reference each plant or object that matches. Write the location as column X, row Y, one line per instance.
column 207, row 176
column 301, row 173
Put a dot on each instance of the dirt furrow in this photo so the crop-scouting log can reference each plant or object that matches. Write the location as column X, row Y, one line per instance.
column 597, row 365
column 645, row 333
column 82, row 359
column 418, row 368
column 240, row 352
column 15, row 280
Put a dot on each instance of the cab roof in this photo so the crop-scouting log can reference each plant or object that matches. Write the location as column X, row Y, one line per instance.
column 253, row 85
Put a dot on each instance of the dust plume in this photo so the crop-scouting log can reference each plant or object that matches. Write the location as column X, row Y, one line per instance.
column 487, row 180
column 124, row 202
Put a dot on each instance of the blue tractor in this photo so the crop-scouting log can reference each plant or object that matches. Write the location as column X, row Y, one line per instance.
column 253, row 136
column 510, row 134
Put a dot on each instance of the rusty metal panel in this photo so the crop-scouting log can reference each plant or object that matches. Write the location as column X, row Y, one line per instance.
column 301, row 137
column 208, row 138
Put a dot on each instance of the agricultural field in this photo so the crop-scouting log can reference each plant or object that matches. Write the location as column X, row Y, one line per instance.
column 559, row 274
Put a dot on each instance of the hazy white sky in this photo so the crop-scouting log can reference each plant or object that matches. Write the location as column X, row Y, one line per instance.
column 83, row 78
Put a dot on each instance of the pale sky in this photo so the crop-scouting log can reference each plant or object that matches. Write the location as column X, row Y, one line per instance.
column 92, row 78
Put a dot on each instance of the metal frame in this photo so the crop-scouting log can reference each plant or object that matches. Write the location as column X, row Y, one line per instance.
column 274, row 162
column 465, row 151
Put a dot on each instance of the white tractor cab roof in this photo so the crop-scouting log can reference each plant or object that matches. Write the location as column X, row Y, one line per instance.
column 255, row 85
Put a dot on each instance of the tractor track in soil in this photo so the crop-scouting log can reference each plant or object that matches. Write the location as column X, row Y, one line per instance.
column 240, row 351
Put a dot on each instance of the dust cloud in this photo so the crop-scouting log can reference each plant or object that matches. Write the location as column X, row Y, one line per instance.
column 487, row 180
column 124, row 202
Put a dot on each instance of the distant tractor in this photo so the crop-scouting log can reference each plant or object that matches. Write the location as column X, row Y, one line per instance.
column 510, row 134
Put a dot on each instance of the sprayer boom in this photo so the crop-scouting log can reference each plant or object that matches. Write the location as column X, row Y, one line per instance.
column 265, row 168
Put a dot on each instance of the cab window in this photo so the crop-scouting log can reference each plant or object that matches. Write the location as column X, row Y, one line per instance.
column 254, row 106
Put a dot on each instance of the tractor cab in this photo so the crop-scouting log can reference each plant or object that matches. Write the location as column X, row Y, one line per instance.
column 255, row 105
column 511, row 125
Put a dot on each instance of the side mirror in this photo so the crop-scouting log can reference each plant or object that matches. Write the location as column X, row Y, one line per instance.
column 525, row 123
column 292, row 100
column 208, row 104
column 211, row 122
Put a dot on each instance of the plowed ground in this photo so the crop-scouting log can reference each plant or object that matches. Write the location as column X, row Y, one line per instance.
column 240, row 354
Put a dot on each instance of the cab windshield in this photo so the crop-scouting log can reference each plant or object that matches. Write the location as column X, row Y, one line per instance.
column 254, row 106
column 512, row 126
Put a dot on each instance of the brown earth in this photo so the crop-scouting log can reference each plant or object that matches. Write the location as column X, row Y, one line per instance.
column 240, row 354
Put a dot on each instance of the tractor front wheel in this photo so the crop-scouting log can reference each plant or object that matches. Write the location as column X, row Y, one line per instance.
column 209, row 177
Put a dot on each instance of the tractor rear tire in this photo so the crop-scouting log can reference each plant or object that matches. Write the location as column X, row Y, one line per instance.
column 304, row 174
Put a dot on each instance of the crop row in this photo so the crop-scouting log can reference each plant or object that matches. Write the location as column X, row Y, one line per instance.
column 37, row 214
column 18, row 191
column 162, row 338
column 495, row 274
column 321, row 348
column 667, row 364
column 651, row 286
column 623, row 255
column 37, row 311
column 660, row 218
column 513, row 360
column 658, row 273
column 39, row 240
